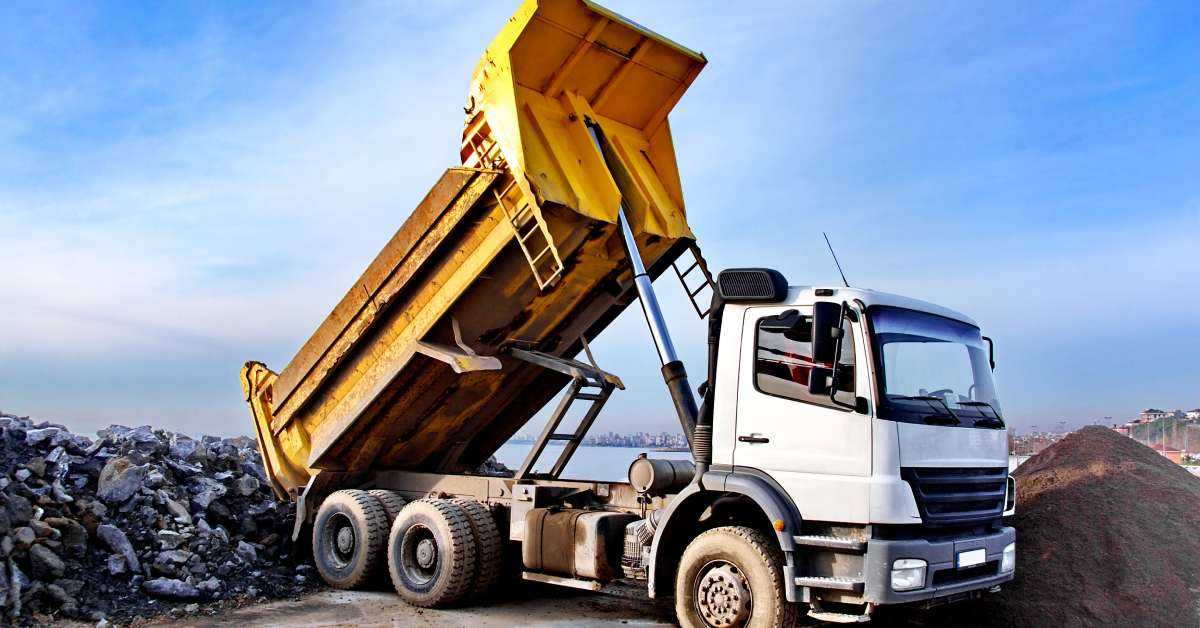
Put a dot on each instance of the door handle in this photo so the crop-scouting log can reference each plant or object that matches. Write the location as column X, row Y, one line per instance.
column 754, row 438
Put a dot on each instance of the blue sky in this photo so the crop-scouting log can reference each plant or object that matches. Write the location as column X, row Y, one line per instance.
column 184, row 186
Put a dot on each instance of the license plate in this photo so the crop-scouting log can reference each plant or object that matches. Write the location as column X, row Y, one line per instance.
column 971, row 558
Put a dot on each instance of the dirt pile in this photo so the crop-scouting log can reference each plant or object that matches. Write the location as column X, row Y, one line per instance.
column 1106, row 535
column 137, row 522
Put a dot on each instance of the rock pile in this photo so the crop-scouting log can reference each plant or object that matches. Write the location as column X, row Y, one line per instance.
column 136, row 522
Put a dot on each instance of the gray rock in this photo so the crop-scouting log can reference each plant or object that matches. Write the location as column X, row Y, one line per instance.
column 54, row 456
column 246, row 485
column 120, row 479
column 192, row 608
column 60, row 494
column 246, row 552
column 176, row 556
column 34, row 437
column 169, row 539
column 25, row 535
column 115, row 564
column 178, row 511
column 182, row 447
column 22, row 474
column 45, row 564
column 3, row 587
column 62, row 598
column 37, row 465
column 211, row 585
column 154, row 478
column 119, row 543
column 74, row 535
column 171, row 589
column 16, row 582
column 19, row 509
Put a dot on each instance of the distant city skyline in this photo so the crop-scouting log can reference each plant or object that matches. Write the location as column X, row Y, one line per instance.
column 186, row 186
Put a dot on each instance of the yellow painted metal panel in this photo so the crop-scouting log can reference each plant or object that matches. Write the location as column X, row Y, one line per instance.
column 520, row 248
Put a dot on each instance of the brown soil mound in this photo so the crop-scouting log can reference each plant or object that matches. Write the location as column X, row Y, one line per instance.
column 1106, row 535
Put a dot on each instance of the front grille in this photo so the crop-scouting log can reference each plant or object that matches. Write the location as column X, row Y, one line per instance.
column 954, row 576
column 954, row 496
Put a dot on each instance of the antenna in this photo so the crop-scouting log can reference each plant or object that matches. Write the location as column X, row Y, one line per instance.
column 835, row 260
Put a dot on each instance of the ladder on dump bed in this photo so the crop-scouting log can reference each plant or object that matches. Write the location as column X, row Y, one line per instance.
column 588, row 383
column 706, row 280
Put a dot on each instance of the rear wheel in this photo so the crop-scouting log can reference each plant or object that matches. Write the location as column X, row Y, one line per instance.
column 349, row 535
column 431, row 553
column 488, row 548
column 391, row 501
column 731, row 576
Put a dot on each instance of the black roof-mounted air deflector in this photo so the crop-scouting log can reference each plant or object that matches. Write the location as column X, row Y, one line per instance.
column 740, row 285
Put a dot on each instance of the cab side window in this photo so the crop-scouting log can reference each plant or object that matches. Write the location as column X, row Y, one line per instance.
column 783, row 364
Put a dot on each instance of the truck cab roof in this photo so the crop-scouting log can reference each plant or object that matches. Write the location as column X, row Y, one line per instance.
column 805, row 295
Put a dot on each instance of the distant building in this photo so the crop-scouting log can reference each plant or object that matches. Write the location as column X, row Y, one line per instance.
column 1193, row 415
column 1123, row 430
column 1170, row 453
column 1154, row 414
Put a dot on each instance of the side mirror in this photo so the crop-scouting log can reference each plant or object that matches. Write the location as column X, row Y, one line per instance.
column 819, row 381
column 782, row 322
column 826, row 329
column 991, row 352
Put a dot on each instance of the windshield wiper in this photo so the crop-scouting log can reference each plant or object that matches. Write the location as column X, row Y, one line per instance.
column 940, row 419
column 994, row 421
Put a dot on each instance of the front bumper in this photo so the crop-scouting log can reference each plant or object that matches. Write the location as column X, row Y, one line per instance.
column 942, row 579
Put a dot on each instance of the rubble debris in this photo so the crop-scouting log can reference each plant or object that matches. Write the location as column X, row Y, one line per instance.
column 1105, row 537
column 495, row 468
column 136, row 523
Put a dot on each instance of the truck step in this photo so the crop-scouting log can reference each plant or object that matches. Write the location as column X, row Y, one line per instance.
column 838, row 618
column 840, row 543
column 562, row 581
column 830, row 582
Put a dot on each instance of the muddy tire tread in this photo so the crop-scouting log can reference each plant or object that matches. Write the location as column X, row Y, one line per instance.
column 370, row 516
column 488, row 548
column 461, row 569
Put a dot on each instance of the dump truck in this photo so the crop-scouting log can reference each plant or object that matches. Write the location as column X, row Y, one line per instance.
column 848, row 450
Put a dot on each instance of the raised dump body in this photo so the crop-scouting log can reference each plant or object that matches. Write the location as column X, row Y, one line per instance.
column 439, row 352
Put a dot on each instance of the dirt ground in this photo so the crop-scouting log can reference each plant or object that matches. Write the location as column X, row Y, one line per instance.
column 524, row 606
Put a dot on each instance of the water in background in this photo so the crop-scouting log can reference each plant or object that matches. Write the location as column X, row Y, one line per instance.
column 606, row 464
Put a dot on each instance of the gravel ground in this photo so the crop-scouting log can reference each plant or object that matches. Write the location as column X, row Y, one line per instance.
column 528, row 605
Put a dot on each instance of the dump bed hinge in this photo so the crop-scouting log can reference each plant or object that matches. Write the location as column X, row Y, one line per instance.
column 588, row 383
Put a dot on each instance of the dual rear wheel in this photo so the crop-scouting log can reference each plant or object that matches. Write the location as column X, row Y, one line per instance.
column 436, row 552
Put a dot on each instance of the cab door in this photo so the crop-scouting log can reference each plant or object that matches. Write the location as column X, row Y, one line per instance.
column 819, row 451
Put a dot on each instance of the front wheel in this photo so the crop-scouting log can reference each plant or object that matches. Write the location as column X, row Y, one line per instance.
column 732, row 576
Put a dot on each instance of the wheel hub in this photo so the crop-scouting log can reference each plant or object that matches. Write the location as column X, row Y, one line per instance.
column 345, row 540
column 723, row 596
column 426, row 553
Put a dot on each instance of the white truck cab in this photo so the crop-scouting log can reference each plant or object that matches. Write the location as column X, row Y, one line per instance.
column 877, row 419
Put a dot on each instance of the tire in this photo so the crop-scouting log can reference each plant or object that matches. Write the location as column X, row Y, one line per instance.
column 431, row 553
column 391, row 501
column 349, row 536
column 488, row 547
column 733, row 574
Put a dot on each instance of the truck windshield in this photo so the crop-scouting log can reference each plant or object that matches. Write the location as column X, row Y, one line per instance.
column 934, row 369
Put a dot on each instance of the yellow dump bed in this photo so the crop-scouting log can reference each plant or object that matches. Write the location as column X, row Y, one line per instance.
column 516, row 250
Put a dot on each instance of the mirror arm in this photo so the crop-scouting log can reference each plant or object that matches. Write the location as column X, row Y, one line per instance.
column 991, row 352
column 837, row 356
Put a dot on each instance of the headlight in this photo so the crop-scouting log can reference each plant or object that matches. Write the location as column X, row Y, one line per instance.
column 908, row 574
column 1008, row 560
